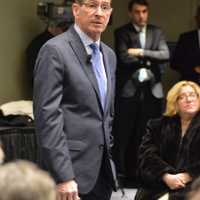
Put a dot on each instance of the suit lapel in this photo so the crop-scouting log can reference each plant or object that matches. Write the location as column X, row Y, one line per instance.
column 108, row 74
column 85, row 63
column 196, row 39
column 134, row 37
column 149, row 38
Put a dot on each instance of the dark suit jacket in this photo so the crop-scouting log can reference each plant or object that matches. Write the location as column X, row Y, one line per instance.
column 163, row 151
column 155, row 52
column 71, row 126
column 187, row 56
column 33, row 49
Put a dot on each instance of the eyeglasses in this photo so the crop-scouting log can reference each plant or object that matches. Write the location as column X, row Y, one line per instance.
column 191, row 96
column 92, row 7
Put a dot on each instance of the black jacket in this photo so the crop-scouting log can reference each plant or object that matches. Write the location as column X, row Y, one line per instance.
column 155, row 53
column 187, row 56
column 33, row 50
column 164, row 150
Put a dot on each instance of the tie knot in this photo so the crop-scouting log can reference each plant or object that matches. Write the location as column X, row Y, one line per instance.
column 94, row 47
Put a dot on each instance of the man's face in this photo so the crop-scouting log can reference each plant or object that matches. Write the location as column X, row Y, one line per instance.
column 139, row 14
column 92, row 16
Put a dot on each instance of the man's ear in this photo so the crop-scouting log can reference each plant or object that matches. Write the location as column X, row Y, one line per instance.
column 75, row 9
column 130, row 15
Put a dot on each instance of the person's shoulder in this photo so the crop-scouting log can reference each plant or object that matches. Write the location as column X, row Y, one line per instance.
column 55, row 44
column 58, row 38
column 154, row 27
column 196, row 120
column 188, row 33
column 58, row 41
column 155, row 121
column 163, row 120
column 124, row 28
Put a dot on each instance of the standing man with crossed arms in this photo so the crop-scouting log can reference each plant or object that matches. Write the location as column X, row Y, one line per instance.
column 73, row 105
column 141, row 49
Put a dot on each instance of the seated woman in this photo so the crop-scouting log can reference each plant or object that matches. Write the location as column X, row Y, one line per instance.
column 169, row 155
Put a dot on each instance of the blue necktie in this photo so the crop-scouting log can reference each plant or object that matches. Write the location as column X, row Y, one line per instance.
column 99, row 71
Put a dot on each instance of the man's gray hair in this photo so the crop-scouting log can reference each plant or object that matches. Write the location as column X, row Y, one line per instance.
column 23, row 180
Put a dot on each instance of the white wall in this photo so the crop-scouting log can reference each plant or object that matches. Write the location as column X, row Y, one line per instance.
column 19, row 24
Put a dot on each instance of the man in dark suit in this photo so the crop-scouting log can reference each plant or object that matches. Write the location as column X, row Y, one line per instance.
column 140, row 49
column 54, row 27
column 73, row 105
column 186, row 57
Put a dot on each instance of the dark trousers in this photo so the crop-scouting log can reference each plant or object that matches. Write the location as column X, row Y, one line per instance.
column 104, row 185
column 131, row 117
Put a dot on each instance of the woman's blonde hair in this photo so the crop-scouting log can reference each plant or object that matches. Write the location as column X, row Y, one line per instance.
column 173, row 94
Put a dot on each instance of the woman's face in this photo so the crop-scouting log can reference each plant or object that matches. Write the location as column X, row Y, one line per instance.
column 188, row 101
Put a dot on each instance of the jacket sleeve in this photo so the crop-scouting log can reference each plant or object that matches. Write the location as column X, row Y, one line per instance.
column 122, row 44
column 179, row 55
column 185, row 58
column 192, row 164
column 161, row 53
column 151, row 164
column 48, row 94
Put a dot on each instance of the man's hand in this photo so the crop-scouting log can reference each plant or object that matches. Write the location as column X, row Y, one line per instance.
column 68, row 191
column 173, row 181
column 197, row 69
column 136, row 52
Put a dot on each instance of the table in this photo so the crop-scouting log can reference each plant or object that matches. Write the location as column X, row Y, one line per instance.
column 19, row 143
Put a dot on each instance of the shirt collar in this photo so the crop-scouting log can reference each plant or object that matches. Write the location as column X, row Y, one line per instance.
column 138, row 29
column 85, row 38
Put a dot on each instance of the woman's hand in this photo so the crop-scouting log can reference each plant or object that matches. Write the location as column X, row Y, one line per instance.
column 185, row 177
column 174, row 181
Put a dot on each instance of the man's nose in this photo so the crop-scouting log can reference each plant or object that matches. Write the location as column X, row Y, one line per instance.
column 141, row 15
column 99, row 10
